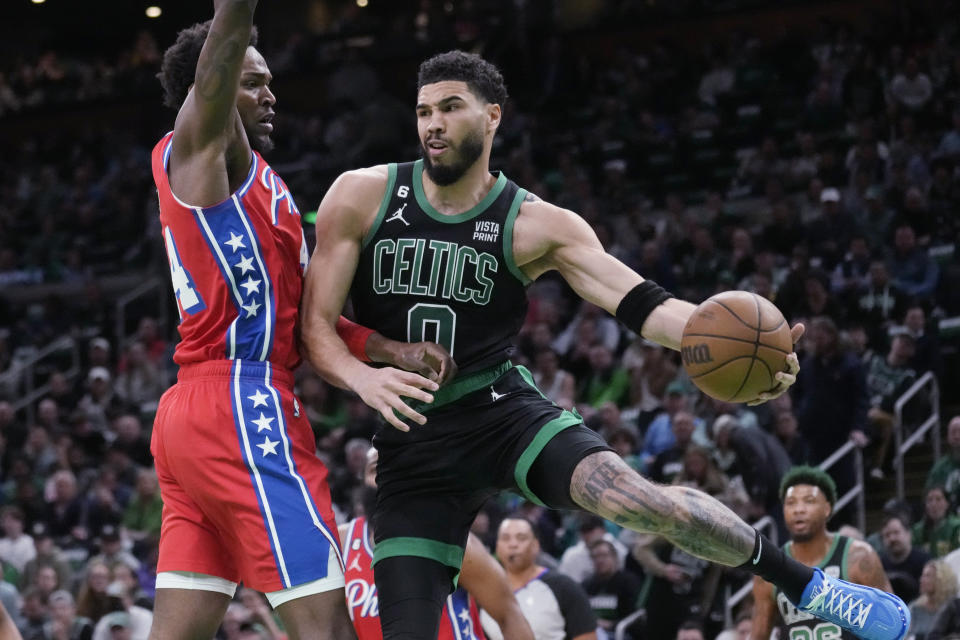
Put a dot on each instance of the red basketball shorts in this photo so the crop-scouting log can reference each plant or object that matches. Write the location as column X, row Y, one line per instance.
column 244, row 496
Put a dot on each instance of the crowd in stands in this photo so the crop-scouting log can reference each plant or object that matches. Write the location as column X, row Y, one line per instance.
column 822, row 173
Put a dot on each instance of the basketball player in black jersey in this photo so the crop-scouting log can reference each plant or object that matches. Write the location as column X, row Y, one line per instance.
column 442, row 249
column 808, row 495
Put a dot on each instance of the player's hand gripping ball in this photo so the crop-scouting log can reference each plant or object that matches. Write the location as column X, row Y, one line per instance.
column 734, row 345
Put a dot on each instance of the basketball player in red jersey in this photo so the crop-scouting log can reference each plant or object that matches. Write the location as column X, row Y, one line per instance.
column 482, row 582
column 244, row 496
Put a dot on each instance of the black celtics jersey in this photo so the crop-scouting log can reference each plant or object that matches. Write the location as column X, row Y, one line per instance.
column 799, row 625
column 449, row 279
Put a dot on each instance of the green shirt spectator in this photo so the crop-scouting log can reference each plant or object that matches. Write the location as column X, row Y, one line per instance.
column 946, row 471
column 938, row 533
column 608, row 382
column 142, row 516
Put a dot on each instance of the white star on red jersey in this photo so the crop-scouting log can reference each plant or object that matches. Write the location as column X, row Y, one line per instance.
column 245, row 264
column 251, row 285
column 235, row 241
column 263, row 422
column 252, row 308
column 269, row 447
column 259, row 398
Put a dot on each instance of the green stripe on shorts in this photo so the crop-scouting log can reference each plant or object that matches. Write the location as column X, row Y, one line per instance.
column 544, row 435
column 450, row 555
column 533, row 449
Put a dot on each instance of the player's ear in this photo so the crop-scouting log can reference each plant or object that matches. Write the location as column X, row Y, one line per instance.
column 494, row 113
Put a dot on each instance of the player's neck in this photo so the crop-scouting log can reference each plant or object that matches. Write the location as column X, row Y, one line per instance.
column 813, row 551
column 465, row 193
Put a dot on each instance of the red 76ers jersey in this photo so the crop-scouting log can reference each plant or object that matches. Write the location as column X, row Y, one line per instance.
column 236, row 267
column 460, row 619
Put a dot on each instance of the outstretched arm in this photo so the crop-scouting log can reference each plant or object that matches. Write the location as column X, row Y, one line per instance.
column 485, row 580
column 341, row 220
column 548, row 238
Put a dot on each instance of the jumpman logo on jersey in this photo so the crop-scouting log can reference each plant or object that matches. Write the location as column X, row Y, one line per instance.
column 354, row 564
column 496, row 396
column 398, row 215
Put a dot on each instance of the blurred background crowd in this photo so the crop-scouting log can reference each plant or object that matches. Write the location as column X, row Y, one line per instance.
column 808, row 152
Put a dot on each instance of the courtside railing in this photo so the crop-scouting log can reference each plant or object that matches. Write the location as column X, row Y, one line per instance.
column 153, row 286
column 19, row 379
column 931, row 423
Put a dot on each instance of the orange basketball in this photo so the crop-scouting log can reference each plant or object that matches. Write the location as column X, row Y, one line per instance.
column 734, row 344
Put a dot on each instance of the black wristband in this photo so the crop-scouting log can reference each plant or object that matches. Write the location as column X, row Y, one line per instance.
column 639, row 303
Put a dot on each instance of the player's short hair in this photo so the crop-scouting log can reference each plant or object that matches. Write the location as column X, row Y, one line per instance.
column 179, row 66
column 812, row 476
column 483, row 78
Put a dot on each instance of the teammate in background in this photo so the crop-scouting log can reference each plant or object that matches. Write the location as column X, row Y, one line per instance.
column 455, row 266
column 556, row 607
column 244, row 496
column 808, row 495
column 482, row 582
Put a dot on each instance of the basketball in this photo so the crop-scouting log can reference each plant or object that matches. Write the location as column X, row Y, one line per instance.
column 734, row 344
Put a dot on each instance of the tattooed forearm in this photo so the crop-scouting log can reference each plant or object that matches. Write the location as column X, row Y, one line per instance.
column 692, row 520
column 214, row 78
column 219, row 65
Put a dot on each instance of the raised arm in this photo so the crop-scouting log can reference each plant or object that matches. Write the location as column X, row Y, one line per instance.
column 210, row 149
column 211, row 106
column 484, row 578
column 342, row 219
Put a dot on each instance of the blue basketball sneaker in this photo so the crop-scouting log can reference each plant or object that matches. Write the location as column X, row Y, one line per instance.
column 864, row 611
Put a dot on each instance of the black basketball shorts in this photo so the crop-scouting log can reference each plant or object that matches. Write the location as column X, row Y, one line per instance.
column 489, row 431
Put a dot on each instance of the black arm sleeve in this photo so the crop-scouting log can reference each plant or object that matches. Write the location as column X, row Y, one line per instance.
column 574, row 603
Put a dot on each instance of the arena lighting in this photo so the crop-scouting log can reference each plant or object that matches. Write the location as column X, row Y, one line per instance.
column 38, row 1
column 362, row 3
column 154, row 11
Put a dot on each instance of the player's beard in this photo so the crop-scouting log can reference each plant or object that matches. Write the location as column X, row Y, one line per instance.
column 803, row 536
column 262, row 144
column 464, row 155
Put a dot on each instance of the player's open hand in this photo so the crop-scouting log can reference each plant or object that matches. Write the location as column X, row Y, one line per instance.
column 785, row 379
column 385, row 390
column 429, row 359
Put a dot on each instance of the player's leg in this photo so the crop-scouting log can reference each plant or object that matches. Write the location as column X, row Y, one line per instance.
column 411, row 592
column 190, row 611
column 196, row 577
column 699, row 524
column 316, row 616
column 420, row 525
